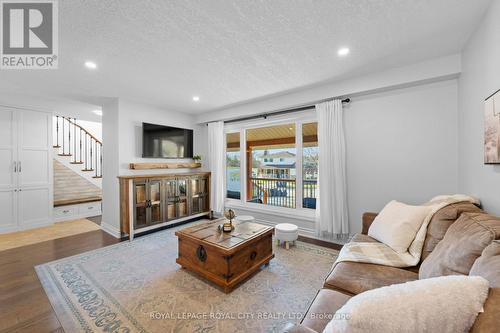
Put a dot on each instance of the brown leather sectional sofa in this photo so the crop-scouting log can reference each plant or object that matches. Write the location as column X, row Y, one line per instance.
column 350, row 278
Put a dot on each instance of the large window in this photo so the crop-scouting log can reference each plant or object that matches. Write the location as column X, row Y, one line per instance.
column 233, row 164
column 276, row 166
column 271, row 169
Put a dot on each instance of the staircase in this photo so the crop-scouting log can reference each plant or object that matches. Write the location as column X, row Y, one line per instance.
column 78, row 150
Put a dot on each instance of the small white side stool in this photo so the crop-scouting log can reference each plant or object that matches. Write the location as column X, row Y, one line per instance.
column 287, row 233
column 244, row 218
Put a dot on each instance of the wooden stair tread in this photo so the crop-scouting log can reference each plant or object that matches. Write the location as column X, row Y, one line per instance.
column 97, row 177
column 65, row 154
column 75, row 162
column 67, row 202
column 88, row 170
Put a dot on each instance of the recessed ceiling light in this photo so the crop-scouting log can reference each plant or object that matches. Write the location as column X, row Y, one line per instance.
column 97, row 112
column 342, row 52
column 90, row 65
column 196, row 98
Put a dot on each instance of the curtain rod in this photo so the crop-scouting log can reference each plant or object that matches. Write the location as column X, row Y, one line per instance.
column 276, row 113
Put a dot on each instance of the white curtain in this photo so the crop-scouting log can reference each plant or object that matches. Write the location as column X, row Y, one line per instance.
column 216, row 162
column 331, row 206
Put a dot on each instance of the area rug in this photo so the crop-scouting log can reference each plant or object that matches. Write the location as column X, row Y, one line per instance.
column 43, row 234
column 137, row 287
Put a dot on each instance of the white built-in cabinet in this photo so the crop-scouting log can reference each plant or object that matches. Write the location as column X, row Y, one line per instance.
column 26, row 176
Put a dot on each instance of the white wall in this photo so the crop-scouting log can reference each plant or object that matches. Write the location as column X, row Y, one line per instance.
column 93, row 127
column 132, row 115
column 480, row 77
column 401, row 145
column 110, row 189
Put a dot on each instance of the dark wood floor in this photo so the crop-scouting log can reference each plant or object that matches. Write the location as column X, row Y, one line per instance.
column 24, row 306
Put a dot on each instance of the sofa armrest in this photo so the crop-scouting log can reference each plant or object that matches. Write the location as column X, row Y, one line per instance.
column 297, row 328
column 367, row 221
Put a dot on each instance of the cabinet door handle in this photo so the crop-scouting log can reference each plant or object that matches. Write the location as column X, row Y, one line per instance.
column 19, row 166
column 15, row 166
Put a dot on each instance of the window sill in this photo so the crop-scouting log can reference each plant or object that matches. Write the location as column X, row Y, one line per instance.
column 300, row 214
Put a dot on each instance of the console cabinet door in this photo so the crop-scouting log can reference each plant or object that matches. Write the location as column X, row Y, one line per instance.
column 155, row 202
column 199, row 194
column 140, row 204
column 182, row 197
column 171, row 199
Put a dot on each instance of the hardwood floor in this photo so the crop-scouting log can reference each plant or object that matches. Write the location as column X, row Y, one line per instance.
column 24, row 306
column 320, row 242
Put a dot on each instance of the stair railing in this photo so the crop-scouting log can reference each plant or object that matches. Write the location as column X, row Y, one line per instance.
column 76, row 142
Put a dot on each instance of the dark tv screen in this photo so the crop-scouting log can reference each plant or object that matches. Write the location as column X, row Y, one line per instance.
column 166, row 142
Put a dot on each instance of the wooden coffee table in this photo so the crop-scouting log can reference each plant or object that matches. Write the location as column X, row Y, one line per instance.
column 225, row 258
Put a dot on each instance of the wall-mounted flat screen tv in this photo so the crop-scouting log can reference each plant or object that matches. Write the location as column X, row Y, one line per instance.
column 166, row 142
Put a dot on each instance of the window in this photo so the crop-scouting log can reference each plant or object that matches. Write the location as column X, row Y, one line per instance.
column 310, row 154
column 233, row 163
column 276, row 165
column 269, row 183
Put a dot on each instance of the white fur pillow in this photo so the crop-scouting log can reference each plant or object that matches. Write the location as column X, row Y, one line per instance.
column 397, row 225
column 445, row 304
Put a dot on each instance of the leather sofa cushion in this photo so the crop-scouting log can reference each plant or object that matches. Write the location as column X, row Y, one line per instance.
column 441, row 221
column 488, row 265
column 353, row 277
column 489, row 320
column 461, row 246
column 324, row 306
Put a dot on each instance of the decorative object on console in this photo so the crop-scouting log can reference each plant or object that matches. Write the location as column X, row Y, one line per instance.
column 492, row 129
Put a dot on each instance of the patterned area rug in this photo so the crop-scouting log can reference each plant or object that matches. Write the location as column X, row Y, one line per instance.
column 137, row 287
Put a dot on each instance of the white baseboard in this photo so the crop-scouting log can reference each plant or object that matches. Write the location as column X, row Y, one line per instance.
column 110, row 229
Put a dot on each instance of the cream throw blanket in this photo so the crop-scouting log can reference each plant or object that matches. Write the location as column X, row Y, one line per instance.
column 379, row 253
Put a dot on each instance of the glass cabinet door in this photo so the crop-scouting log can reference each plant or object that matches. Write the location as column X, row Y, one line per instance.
column 195, row 186
column 182, row 203
column 199, row 195
column 140, row 204
column 155, row 202
column 204, row 185
column 171, row 198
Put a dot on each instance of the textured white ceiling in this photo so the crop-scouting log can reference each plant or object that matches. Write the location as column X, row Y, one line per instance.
column 163, row 52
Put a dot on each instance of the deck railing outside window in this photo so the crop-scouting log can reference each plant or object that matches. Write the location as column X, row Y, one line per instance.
column 282, row 192
column 309, row 193
column 274, row 191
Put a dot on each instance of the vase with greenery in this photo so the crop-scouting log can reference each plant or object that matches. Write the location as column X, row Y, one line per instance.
column 197, row 158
